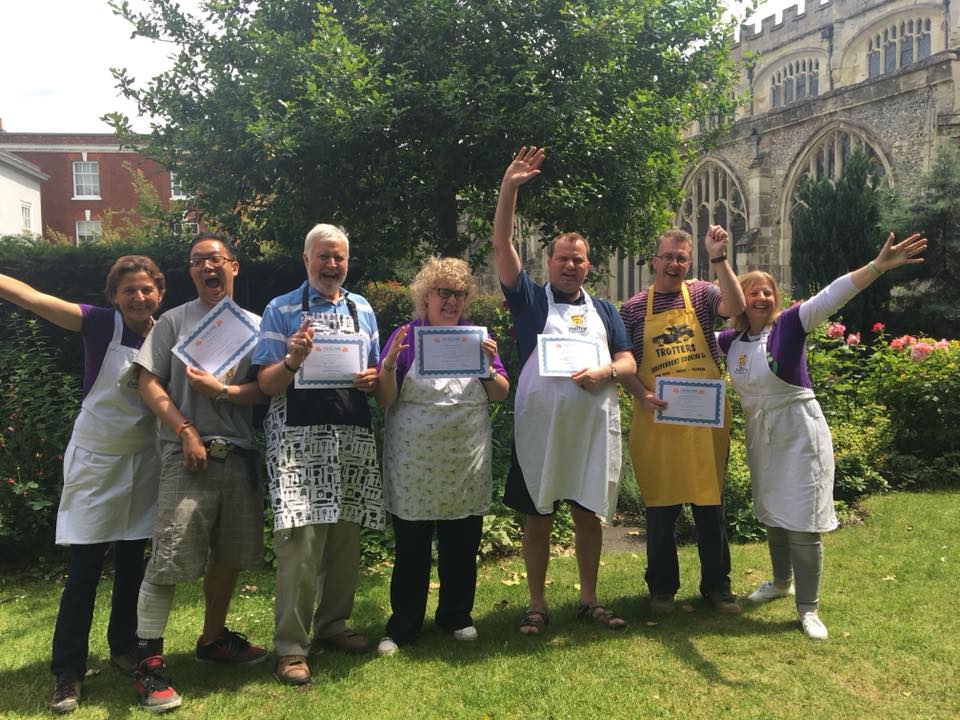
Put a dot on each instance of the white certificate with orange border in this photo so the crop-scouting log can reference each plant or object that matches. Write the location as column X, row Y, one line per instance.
column 690, row 401
column 333, row 363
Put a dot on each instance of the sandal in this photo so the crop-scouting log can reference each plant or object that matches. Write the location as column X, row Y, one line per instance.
column 535, row 621
column 600, row 615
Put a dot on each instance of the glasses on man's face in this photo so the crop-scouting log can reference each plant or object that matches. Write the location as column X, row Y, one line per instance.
column 670, row 257
column 447, row 293
column 215, row 260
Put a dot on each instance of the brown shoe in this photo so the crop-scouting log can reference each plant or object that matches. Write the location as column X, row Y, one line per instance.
column 661, row 604
column 724, row 602
column 347, row 641
column 292, row 670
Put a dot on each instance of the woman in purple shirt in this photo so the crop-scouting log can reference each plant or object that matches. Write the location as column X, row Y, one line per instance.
column 110, row 466
column 789, row 449
column 437, row 452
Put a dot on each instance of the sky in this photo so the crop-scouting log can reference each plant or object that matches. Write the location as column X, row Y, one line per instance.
column 56, row 57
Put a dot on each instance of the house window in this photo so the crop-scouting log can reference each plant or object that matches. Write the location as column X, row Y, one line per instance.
column 176, row 189
column 88, row 231
column 188, row 227
column 86, row 180
column 25, row 215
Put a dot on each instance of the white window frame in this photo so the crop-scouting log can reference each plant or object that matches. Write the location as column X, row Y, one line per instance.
column 26, row 217
column 81, row 171
column 186, row 226
column 176, row 189
column 94, row 230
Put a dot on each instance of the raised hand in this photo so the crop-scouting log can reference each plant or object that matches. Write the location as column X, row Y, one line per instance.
column 525, row 167
column 300, row 343
column 396, row 345
column 716, row 241
column 905, row 252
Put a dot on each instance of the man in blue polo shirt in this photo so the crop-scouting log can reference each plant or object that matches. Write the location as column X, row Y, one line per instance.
column 321, row 457
column 567, row 430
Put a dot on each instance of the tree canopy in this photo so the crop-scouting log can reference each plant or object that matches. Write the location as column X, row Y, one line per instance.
column 396, row 118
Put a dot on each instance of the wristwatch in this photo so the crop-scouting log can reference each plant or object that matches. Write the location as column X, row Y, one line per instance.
column 613, row 371
column 222, row 395
column 492, row 375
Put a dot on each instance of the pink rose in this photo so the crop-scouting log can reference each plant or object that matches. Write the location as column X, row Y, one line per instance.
column 853, row 339
column 836, row 330
column 896, row 343
column 877, row 327
column 920, row 351
column 942, row 344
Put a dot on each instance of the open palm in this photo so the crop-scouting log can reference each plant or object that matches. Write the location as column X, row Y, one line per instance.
column 525, row 166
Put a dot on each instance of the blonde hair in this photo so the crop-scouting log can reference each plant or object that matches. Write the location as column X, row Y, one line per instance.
column 747, row 281
column 449, row 272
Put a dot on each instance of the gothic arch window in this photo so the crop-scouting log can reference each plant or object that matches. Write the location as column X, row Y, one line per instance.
column 898, row 45
column 795, row 81
column 712, row 196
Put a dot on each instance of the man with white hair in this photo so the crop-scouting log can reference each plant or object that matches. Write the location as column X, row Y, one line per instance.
column 324, row 477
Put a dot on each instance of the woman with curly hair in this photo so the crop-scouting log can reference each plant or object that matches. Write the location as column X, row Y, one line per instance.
column 437, row 457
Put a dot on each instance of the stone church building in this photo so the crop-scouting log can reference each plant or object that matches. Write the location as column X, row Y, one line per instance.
column 883, row 75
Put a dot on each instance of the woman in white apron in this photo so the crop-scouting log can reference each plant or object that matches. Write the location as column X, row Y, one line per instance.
column 789, row 450
column 110, row 466
column 437, row 455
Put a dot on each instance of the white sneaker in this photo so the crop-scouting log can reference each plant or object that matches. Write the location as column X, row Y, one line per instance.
column 813, row 626
column 387, row 647
column 768, row 590
column 468, row 633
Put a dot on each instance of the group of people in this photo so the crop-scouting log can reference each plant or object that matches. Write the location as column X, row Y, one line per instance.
column 193, row 485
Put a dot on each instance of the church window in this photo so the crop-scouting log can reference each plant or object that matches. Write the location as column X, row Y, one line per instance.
column 712, row 197
column 902, row 44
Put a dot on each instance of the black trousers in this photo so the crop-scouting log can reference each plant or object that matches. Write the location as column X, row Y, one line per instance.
column 457, row 545
column 72, row 634
column 663, row 569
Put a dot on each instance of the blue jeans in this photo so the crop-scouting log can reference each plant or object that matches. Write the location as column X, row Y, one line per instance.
column 72, row 633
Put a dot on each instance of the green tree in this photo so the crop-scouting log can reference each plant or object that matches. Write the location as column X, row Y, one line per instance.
column 837, row 229
column 397, row 117
column 930, row 300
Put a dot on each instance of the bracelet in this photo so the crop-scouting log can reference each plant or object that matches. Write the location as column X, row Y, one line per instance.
column 874, row 268
column 719, row 258
column 389, row 369
column 183, row 426
column 286, row 366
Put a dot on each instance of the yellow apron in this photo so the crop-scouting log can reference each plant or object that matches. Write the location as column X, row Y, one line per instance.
column 676, row 464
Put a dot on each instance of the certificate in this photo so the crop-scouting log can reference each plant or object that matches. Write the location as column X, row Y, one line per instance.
column 563, row 355
column 333, row 362
column 690, row 402
column 222, row 337
column 449, row 351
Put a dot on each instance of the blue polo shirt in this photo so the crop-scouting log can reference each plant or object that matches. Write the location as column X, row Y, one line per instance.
column 284, row 315
column 529, row 309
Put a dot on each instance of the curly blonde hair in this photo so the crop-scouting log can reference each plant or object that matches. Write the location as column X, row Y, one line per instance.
column 447, row 272
column 747, row 281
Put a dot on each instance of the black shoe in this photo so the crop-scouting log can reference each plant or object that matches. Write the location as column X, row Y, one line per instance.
column 231, row 647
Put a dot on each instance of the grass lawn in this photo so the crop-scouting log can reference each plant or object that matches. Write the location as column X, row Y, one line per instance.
column 888, row 590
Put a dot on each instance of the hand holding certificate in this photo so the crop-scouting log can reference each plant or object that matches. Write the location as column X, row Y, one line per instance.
column 563, row 355
column 690, row 402
column 333, row 363
column 216, row 344
column 449, row 351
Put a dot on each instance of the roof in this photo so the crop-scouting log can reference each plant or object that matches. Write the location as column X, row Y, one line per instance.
column 27, row 168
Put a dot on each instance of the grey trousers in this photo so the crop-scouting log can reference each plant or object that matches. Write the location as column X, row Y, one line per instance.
column 797, row 556
column 317, row 571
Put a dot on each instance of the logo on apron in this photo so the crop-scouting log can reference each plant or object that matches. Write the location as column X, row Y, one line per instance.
column 577, row 322
column 742, row 368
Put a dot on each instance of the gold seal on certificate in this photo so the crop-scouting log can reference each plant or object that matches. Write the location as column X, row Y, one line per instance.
column 563, row 355
column 690, row 402
column 220, row 339
column 333, row 362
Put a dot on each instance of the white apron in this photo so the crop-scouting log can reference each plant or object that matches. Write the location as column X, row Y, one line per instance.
column 789, row 449
column 568, row 438
column 111, row 467
column 437, row 450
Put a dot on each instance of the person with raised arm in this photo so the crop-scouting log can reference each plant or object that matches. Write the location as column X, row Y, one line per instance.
column 566, row 429
column 789, row 449
column 110, row 466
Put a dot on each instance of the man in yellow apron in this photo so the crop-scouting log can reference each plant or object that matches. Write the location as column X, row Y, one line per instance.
column 671, row 327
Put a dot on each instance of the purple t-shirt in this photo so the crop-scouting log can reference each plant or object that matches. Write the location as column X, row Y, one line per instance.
column 786, row 347
column 96, row 330
column 405, row 357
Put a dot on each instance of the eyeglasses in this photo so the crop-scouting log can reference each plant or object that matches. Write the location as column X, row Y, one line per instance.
column 446, row 293
column 670, row 257
column 215, row 260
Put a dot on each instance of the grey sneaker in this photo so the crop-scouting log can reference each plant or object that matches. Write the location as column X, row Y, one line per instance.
column 66, row 695
column 724, row 601
column 661, row 604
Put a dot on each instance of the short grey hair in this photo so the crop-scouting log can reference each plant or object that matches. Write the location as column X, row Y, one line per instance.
column 323, row 231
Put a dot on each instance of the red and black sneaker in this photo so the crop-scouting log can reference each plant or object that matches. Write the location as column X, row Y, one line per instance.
column 153, row 686
column 231, row 647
